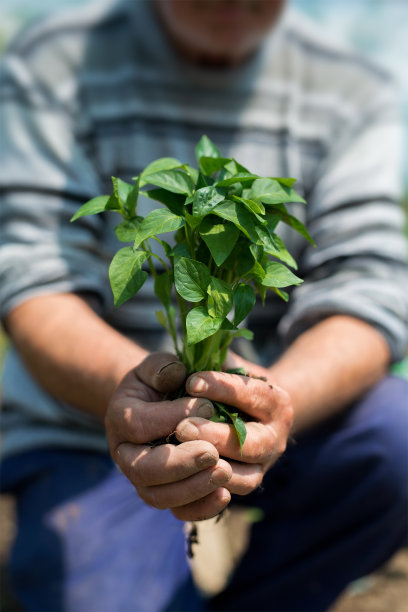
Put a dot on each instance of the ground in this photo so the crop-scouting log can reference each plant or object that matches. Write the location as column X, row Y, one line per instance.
column 385, row 591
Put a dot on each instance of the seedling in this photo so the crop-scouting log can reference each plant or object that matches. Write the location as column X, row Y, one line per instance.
column 224, row 251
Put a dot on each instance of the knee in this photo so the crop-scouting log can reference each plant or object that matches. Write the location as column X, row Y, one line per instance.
column 380, row 433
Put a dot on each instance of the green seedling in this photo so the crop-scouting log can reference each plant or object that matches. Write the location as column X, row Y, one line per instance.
column 223, row 251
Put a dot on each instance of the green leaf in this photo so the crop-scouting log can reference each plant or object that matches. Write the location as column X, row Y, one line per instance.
column 278, row 275
column 282, row 294
column 173, row 201
column 243, row 333
column 180, row 250
column 287, row 182
column 132, row 198
column 209, row 165
column 159, row 221
column 193, row 173
column 265, row 238
column 125, row 274
column 262, row 291
column 298, row 227
column 244, row 301
column 162, row 319
column 239, row 216
column 281, row 252
column 236, row 332
column 220, row 238
column 251, row 205
column 126, row 231
column 93, row 207
column 272, row 219
column 236, row 421
column 205, row 199
column 219, row 298
column 206, row 148
column 121, row 192
column 159, row 165
column 241, row 177
column 271, row 191
column 191, row 279
column 203, row 180
column 200, row 325
column 176, row 181
column 163, row 284
column 240, row 260
column 239, row 371
column 192, row 220
column 240, row 429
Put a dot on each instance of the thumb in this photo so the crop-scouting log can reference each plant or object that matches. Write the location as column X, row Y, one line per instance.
column 163, row 372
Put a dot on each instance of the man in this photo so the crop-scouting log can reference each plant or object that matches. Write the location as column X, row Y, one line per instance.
column 103, row 92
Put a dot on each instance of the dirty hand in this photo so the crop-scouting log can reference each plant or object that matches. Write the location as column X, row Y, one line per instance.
column 188, row 477
column 267, row 435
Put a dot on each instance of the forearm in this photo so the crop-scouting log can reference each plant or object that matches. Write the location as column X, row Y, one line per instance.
column 329, row 366
column 71, row 351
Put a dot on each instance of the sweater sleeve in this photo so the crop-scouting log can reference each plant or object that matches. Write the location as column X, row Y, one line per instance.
column 44, row 175
column 359, row 266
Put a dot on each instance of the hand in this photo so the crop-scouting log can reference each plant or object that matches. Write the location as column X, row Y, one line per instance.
column 186, row 478
column 266, row 436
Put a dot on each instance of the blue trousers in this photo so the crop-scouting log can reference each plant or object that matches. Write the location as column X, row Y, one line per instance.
column 335, row 508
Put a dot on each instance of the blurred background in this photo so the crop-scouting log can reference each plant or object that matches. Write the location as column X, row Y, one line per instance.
column 378, row 29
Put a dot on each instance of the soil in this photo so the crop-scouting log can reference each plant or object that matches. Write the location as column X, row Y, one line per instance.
column 384, row 591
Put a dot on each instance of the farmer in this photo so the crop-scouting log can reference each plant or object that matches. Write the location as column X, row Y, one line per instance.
column 103, row 91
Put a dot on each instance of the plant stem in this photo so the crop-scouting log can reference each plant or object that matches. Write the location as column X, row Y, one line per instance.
column 160, row 259
column 173, row 332
column 188, row 241
column 210, row 347
column 149, row 259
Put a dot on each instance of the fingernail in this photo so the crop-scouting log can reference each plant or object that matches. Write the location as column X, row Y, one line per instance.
column 189, row 432
column 219, row 476
column 205, row 411
column 205, row 460
column 198, row 384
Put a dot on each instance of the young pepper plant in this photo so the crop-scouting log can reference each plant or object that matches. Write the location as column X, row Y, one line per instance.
column 224, row 251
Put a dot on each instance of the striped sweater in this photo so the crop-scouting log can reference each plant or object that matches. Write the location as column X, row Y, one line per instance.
column 99, row 91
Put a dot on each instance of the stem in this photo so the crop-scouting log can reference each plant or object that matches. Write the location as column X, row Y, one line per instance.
column 160, row 259
column 211, row 347
column 183, row 315
column 173, row 333
column 188, row 241
column 149, row 259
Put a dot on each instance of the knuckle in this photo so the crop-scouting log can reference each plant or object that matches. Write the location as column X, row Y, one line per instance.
column 258, row 452
column 153, row 498
column 257, row 402
column 251, row 483
column 138, row 470
column 135, row 425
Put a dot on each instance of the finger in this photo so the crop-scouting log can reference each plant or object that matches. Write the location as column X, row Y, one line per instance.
column 188, row 490
column 261, row 445
column 205, row 508
column 151, row 466
column 162, row 371
column 245, row 477
column 256, row 397
column 140, row 422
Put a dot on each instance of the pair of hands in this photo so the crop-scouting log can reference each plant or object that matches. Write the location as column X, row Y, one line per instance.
column 194, row 479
